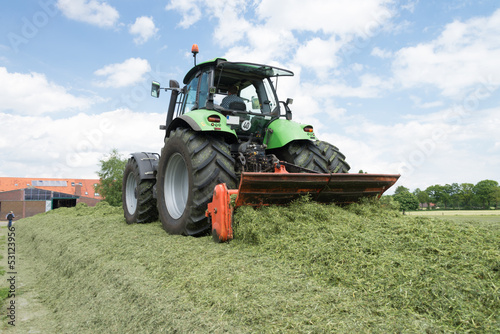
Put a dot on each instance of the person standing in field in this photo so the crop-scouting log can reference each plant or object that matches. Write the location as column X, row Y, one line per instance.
column 9, row 217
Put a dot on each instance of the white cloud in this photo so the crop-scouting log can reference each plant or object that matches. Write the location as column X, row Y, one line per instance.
column 89, row 11
column 318, row 54
column 463, row 57
column 378, row 52
column 144, row 28
column 232, row 26
column 190, row 10
column 272, row 46
column 341, row 17
column 370, row 86
column 33, row 94
column 426, row 105
column 130, row 72
column 275, row 31
column 72, row 147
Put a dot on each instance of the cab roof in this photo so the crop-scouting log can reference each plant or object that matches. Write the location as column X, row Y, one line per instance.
column 256, row 70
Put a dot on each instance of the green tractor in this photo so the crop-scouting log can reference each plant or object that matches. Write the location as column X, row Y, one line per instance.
column 226, row 122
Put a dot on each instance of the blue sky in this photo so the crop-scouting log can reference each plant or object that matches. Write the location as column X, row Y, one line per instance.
column 406, row 87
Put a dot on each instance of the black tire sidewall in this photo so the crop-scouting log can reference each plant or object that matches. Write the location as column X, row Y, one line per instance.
column 171, row 225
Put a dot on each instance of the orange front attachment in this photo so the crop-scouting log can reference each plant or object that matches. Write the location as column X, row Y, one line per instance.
column 220, row 212
column 281, row 187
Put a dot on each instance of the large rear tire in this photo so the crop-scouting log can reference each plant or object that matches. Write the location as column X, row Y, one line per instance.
column 318, row 156
column 336, row 160
column 303, row 154
column 139, row 204
column 191, row 165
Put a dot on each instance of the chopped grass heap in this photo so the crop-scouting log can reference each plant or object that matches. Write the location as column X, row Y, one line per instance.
column 302, row 268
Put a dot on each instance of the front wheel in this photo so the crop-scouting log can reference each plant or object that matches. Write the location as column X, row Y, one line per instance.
column 139, row 205
column 191, row 165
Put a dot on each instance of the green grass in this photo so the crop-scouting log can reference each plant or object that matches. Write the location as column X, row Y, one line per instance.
column 303, row 268
column 485, row 218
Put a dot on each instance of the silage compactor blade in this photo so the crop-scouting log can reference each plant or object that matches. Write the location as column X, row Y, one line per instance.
column 281, row 187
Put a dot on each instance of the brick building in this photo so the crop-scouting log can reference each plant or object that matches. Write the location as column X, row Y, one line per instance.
column 30, row 196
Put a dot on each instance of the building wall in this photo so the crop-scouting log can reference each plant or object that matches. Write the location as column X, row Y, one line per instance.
column 88, row 201
column 21, row 209
column 34, row 207
column 14, row 200
column 14, row 195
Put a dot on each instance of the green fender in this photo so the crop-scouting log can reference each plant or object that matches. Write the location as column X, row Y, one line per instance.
column 285, row 131
column 198, row 121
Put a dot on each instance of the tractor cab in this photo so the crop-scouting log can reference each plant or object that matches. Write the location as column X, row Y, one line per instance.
column 208, row 84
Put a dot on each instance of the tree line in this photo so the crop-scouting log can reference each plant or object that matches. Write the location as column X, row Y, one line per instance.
column 483, row 195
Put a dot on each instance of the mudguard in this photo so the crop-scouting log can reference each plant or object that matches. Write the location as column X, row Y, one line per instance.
column 281, row 131
column 148, row 163
column 198, row 120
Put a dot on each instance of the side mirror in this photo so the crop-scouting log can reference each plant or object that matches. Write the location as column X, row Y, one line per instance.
column 288, row 112
column 155, row 89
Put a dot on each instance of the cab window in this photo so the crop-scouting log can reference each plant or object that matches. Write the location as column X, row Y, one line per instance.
column 202, row 99
column 251, row 99
column 259, row 97
column 190, row 99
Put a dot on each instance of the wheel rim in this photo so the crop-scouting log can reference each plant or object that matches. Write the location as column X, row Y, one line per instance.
column 131, row 193
column 176, row 186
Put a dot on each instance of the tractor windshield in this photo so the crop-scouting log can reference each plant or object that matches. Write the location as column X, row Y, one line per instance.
column 257, row 95
column 252, row 84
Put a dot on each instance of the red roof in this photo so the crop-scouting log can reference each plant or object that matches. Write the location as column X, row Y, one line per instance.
column 79, row 187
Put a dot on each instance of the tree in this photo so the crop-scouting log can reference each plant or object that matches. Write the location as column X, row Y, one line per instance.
column 453, row 190
column 401, row 189
column 437, row 194
column 111, row 176
column 466, row 194
column 422, row 196
column 451, row 197
column 485, row 191
column 388, row 201
column 496, row 195
column 407, row 201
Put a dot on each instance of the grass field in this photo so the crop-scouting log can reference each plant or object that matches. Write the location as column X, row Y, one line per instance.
column 476, row 213
column 490, row 218
column 307, row 268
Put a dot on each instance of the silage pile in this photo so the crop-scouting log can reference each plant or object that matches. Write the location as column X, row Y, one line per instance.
column 303, row 268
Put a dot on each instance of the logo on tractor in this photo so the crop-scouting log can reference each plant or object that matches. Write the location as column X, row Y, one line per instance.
column 246, row 125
